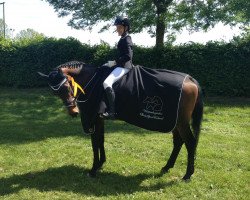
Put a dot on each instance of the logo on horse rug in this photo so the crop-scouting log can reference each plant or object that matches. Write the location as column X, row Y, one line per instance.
column 152, row 108
column 149, row 98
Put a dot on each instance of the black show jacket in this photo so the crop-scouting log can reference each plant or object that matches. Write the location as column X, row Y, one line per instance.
column 125, row 52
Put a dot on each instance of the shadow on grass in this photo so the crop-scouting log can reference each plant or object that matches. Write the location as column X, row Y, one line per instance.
column 74, row 179
column 28, row 116
column 34, row 115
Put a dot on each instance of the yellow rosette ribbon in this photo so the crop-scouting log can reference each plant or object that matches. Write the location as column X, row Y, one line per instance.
column 76, row 86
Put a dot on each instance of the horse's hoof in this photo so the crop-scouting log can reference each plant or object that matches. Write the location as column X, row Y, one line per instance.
column 101, row 165
column 99, row 168
column 91, row 174
column 186, row 178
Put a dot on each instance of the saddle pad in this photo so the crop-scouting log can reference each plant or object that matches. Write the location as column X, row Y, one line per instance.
column 149, row 98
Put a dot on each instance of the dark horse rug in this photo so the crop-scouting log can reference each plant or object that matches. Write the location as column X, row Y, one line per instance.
column 147, row 98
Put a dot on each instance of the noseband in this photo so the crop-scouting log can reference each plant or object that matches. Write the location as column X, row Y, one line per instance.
column 56, row 88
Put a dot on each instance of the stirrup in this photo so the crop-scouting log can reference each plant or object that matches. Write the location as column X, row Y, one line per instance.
column 108, row 115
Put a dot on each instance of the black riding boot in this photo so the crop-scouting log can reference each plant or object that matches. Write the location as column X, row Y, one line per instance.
column 111, row 104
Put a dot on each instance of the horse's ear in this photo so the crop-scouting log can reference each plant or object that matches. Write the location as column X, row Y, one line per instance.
column 43, row 75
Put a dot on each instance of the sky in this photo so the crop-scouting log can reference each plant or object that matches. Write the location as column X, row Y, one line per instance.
column 41, row 17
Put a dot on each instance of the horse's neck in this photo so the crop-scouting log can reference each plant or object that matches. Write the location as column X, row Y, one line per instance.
column 83, row 76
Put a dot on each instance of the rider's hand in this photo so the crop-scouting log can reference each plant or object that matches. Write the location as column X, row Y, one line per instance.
column 110, row 63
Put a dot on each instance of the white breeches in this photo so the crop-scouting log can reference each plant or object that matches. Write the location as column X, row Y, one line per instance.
column 114, row 76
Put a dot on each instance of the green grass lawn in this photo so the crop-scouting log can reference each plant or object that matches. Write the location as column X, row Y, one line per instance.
column 44, row 154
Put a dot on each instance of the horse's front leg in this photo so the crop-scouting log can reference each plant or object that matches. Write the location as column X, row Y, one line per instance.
column 97, row 140
column 101, row 142
column 95, row 148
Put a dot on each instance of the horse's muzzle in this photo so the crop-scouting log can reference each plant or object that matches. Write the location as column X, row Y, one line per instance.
column 73, row 111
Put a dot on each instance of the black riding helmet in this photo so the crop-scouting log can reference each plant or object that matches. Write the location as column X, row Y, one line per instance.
column 122, row 21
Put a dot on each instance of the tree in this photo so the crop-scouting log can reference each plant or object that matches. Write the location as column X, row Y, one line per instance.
column 7, row 30
column 29, row 35
column 158, row 17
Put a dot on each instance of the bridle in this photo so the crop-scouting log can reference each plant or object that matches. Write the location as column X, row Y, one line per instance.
column 56, row 88
column 71, row 102
column 74, row 86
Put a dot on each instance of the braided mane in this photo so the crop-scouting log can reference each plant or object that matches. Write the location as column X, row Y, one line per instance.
column 74, row 67
column 71, row 65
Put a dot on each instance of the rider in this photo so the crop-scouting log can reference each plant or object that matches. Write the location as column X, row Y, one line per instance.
column 123, row 63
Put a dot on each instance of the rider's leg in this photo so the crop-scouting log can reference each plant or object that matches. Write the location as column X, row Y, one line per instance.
column 115, row 75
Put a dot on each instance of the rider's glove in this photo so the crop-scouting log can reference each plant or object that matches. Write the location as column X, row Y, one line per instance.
column 110, row 63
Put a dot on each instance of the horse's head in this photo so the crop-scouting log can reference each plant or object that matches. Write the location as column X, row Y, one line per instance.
column 61, row 81
column 63, row 86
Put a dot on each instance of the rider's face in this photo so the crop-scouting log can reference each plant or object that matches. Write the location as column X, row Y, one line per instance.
column 120, row 29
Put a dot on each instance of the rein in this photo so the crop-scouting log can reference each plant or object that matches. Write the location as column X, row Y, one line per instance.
column 79, row 101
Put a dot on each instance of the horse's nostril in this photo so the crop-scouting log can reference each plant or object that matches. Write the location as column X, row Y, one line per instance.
column 73, row 111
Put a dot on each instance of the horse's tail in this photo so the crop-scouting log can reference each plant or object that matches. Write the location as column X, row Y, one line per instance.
column 197, row 114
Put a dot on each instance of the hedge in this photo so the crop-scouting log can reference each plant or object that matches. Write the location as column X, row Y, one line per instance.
column 221, row 68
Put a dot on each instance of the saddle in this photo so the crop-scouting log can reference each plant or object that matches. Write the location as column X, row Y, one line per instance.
column 147, row 98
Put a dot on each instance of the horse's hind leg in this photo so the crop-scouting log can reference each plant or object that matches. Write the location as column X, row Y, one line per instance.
column 187, row 104
column 177, row 144
column 190, row 143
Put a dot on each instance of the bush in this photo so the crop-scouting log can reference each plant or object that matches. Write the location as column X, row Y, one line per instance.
column 222, row 69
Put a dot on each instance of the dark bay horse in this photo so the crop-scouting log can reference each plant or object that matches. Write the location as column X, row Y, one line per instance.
column 70, row 80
